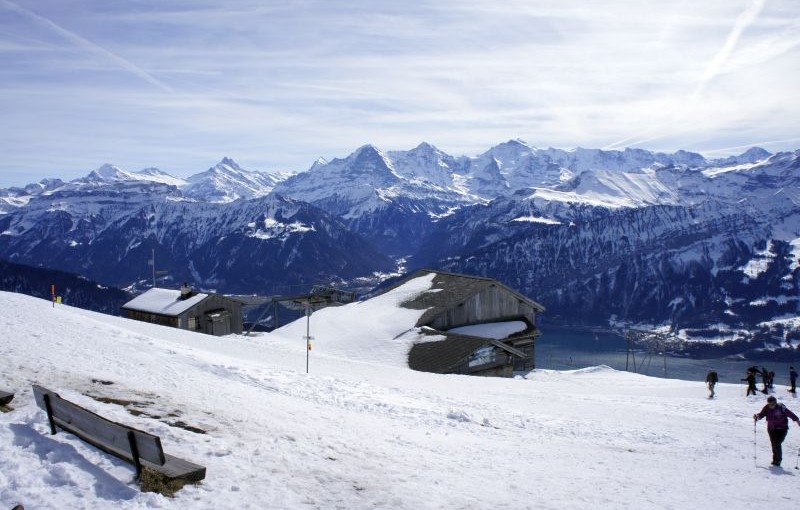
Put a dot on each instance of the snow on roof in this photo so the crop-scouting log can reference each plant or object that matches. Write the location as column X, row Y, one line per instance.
column 163, row 302
column 494, row 330
column 451, row 289
column 378, row 330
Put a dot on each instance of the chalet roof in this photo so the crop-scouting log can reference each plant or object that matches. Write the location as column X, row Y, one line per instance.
column 163, row 302
column 494, row 333
column 445, row 355
column 495, row 330
column 450, row 289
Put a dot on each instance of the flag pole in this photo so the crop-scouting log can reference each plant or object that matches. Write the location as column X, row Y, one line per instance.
column 153, row 263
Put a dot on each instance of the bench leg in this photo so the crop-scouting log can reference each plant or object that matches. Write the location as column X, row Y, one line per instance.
column 49, row 409
column 135, row 454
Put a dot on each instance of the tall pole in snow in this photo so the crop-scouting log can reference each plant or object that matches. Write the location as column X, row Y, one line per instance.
column 152, row 262
column 308, row 332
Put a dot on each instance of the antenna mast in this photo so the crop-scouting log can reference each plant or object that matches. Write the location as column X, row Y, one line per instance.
column 152, row 262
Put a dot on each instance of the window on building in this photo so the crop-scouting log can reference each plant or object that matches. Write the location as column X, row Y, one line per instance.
column 482, row 356
column 193, row 323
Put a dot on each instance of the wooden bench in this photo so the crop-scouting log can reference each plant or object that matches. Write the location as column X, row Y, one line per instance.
column 5, row 397
column 155, row 470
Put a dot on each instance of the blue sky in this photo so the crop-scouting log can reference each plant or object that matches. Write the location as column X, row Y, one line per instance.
column 178, row 84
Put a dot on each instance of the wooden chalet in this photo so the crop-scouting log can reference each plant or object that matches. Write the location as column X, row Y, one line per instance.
column 208, row 313
column 488, row 328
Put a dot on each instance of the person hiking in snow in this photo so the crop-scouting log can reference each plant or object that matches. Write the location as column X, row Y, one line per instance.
column 765, row 380
column 751, row 382
column 711, row 381
column 777, row 416
column 793, row 379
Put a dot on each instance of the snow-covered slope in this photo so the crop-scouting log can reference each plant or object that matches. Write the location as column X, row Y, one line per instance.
column 358, row 434
column 109, row 234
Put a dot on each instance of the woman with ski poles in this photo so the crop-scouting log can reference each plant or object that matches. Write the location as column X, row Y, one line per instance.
column 777, row 416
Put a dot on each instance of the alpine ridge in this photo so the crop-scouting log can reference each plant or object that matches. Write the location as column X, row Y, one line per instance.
column 706, row 248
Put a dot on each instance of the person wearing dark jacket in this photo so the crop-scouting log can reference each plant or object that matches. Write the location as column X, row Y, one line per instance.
column 777, row 416
column 765, row 380
column 711, row 381
column 751, row 382
column 793, row 379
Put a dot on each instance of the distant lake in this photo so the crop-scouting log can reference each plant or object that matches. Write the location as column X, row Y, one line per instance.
column 560, row 349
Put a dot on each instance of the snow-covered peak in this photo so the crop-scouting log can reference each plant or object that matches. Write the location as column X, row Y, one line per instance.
column 508, row 154
column 754, row 154
column 751, row 155
column 515, row 145
column 365, row 169
column 425, row 147
column 320, row 162
column 425, row 163
column 370, row 159
column 227, row 181
column 109, row 173
column 684, row 158
column 41, row 186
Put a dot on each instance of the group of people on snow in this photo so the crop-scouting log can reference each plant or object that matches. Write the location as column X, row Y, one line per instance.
column 777, row 414
column 767, row 379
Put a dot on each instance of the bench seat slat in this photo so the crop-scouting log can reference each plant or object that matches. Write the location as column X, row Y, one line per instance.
column 178, row 468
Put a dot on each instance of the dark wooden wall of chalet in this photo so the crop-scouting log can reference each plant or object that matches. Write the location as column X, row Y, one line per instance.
column 153, row 318
column 443, row 356
column 214, row 302
column 489, row 305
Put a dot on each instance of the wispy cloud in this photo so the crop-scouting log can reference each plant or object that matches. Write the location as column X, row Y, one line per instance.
column 678, row 116
column 745, row 19
column 85, row 44
column 277, row 84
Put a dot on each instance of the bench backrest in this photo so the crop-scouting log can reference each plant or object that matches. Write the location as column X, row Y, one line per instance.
column 104, row 434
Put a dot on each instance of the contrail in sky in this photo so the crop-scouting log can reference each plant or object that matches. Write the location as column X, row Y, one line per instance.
column 84, row 43
column 754, row 144
column 744, row 20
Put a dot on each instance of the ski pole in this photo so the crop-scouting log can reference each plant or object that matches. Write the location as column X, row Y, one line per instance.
column 755, row 439
column 797, row 462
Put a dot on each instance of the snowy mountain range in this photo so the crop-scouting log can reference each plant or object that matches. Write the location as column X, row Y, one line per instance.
column 709, row 248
